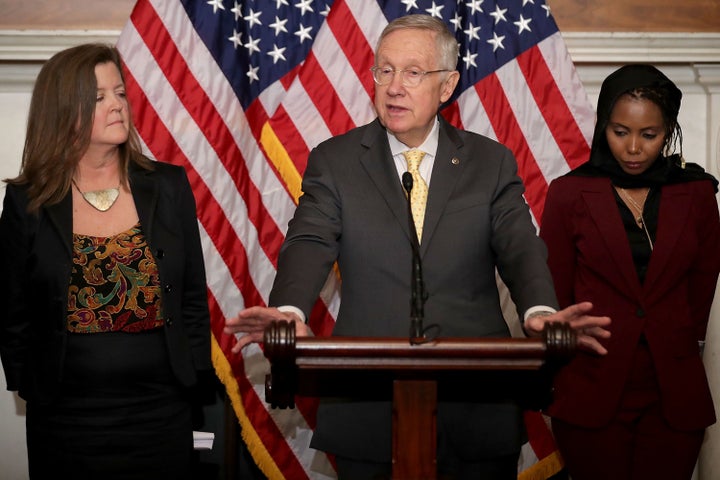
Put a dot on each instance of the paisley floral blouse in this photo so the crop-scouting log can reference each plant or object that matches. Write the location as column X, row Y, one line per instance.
column 114, row 285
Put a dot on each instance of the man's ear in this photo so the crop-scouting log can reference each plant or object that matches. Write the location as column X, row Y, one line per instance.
column 448, row 86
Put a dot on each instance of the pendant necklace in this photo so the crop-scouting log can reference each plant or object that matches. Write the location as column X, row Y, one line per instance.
column 640, row 220
column 100, row 200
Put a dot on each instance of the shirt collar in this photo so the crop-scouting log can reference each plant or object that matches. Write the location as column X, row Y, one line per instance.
column 429, row 146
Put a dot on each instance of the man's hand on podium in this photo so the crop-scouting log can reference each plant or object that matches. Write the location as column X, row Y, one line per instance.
column 249, row 325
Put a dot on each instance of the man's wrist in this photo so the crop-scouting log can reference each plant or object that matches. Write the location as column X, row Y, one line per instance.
column 301, row 317
column 539, row 311
column 292, row 309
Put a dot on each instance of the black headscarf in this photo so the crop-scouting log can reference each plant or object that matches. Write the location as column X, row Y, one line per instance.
column 665, row 170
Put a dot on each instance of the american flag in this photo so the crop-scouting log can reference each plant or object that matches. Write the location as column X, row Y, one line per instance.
column 239, row 91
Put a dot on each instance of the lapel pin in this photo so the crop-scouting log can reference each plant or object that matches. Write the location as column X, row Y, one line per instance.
column 455, row 161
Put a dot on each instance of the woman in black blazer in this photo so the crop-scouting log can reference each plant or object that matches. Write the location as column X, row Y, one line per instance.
column 104, row 328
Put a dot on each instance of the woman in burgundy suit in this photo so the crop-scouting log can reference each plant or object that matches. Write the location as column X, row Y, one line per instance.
column 635, row 230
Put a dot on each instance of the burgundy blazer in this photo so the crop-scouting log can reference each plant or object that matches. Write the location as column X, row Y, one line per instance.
column 589, row 256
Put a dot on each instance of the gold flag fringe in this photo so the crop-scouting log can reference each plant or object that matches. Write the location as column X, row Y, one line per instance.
column 255, row 446
column 543, row 469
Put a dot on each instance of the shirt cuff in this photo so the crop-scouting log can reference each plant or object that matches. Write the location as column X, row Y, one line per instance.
column 292, row 309
column 538, row 310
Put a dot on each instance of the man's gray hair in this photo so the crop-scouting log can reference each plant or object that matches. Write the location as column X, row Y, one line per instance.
column 447, row 45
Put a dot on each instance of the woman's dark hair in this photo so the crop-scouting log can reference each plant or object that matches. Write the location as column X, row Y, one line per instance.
column 646, row 82
column 60, row 122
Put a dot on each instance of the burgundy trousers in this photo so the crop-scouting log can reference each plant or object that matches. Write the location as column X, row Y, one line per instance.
column 637, row 444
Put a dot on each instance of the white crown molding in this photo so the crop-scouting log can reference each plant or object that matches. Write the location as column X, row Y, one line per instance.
column 709, row 76
column 686, row 76
column 18, row 77
column 39, row 45
column 23, row 51
column 649, row 47
column 584, row 47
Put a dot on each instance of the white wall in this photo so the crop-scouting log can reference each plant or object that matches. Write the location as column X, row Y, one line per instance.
column 13, row 454
column 693, row 61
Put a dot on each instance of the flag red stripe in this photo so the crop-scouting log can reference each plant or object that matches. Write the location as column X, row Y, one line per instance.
column 321, row 321
column 290, row 138
column 344, row 49
column 539, row 436
column 508, row 131
column 553, row 107
column 322, row 93
column 451, row 113
column 164, row 147
column 256, row 118
column 281, row 452
column 208, row 119
column 234, row 255
column 351, row 40
column 289, row 77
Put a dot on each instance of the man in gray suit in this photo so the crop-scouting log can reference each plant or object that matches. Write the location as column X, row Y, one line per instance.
column 354, row 211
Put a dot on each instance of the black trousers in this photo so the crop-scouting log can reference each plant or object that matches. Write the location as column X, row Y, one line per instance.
column 501, row 468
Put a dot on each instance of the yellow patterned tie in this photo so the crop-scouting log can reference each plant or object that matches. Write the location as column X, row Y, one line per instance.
column 419, row 192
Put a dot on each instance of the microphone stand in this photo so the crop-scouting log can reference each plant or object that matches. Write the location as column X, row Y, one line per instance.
column 417, row 287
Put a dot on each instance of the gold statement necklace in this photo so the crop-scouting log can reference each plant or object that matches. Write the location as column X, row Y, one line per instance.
column 639, row 209
column 100, row 200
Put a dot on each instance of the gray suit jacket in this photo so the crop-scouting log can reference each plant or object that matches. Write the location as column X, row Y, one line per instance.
column 353, row 210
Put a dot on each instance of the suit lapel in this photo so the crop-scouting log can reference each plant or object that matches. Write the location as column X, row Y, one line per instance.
column 447, row 169
column 144, row 192
column 60, row 215
column 675, row 205
column 377, row 161
column 604, row 213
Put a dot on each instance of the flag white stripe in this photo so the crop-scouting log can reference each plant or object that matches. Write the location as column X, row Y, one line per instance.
column 206, row 71
column 296, row 431
column 309, row 121
column 557, row 58
column 369, row 18
column 345, row 82
column 539, row 138
column 473, row 115
column 272, row 97
column 304, row 114
column 201, row 156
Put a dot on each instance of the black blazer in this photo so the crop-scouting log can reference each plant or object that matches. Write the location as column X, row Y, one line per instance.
column 36, row 261
column 354, row 210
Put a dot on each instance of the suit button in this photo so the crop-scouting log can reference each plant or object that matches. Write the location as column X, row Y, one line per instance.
column 169, row 321
column 640, row 312
column 160, row 253
column 168, row 288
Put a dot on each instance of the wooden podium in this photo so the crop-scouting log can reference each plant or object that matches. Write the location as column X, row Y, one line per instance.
column 409, row 375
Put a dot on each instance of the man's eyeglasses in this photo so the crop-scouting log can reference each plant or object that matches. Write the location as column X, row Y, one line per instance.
column 410, row 77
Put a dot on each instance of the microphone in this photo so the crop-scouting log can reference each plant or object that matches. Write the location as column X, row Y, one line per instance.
column 417, row 286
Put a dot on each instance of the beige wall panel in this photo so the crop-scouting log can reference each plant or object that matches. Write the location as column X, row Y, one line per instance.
column 571, row 15
column 64, row 14
column 636, row 15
